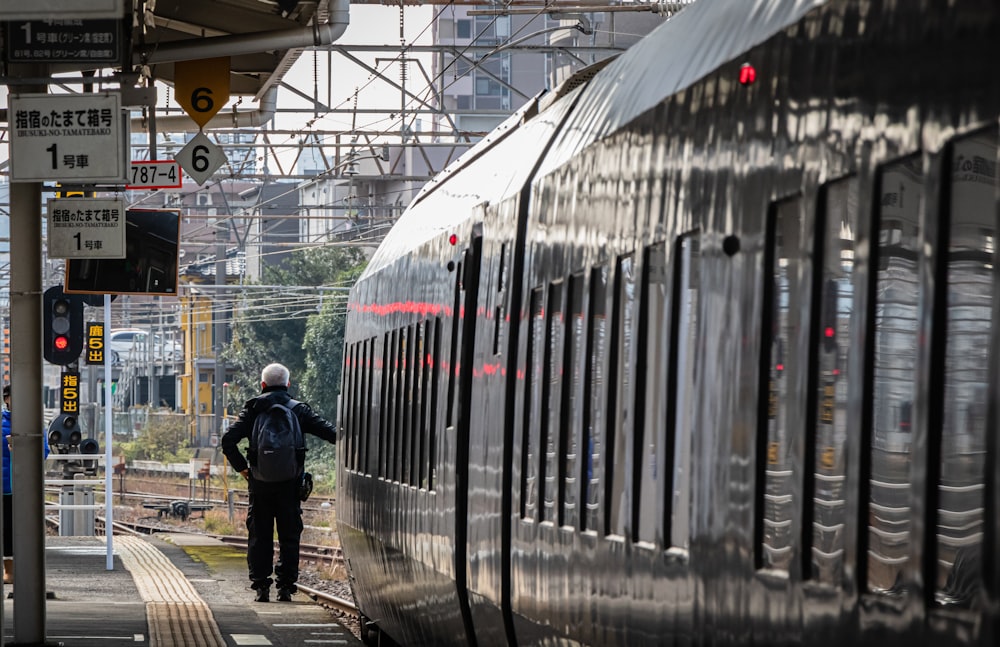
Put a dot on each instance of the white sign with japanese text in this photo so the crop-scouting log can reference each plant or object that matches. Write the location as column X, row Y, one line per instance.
column 86, row 228
column 67, row 137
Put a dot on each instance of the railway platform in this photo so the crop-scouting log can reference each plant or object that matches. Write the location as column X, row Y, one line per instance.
column 165, row 590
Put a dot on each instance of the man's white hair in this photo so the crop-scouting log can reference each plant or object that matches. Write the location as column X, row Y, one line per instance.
column 274, row 375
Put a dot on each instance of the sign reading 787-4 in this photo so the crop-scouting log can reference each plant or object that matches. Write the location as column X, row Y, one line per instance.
column 66, row 137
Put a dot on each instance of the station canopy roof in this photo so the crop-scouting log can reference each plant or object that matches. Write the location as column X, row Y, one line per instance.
column 167, row 29
column 262, row 38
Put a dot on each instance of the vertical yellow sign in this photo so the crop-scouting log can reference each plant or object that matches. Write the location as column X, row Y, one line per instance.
column 70, row 393
column 95, row 343
column 202, row 87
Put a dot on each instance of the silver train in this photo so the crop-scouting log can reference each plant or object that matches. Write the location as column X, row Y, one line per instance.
column 697, row 349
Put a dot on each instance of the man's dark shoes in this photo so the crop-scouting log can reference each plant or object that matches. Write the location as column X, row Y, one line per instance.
column 285, row 595
column 264, row 595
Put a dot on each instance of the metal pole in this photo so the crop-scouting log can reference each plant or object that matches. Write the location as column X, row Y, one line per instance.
column 80, row 515
column 156, row 344
column 108, row 503
column 26, row 396
column 221, row 239
column 225, row 428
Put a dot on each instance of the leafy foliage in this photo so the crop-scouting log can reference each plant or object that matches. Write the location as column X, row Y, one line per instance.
column 324, row 346
column 163, row 438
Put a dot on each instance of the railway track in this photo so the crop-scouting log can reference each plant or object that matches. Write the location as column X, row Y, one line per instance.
column 331, row 555
column 239, row 497
column 331, row 601
column 185, row 488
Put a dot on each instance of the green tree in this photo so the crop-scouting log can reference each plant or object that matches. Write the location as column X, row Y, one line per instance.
column 267, row 329
column 163, row 438
column 324, row 346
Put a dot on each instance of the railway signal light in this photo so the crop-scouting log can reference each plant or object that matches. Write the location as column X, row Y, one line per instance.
column 62, row 318
column 63, row 432
column 65, row 438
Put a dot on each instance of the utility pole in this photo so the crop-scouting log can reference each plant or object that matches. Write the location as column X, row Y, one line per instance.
column 158, row 348
column 219, row 317
column 26, row 387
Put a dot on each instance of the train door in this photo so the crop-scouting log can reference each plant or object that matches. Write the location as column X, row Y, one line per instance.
column 490, row 444
column 460, row 415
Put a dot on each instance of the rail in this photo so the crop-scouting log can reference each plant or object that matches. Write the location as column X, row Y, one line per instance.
column 332, row 601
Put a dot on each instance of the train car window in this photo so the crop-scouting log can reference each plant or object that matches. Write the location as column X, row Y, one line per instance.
column 385, row 457
column 416, row 412
column 351, row 393
column 401, row 405
column 790, row 293
column 500, row 311
column 825, row 559
column 349, row 398
column 593, row 398
column 358, row 402
column 969, row 306
column 651, row 379
column 423, row 373
column 432, row 424
column 409, row 397
column 456, row 326
column 551, row 391
column 416, row 426
column 895, row 349
column 687, row 297
column 572, row 393
column 532, row 405
column 385, row 470
column 376, row 415
column 367, row 405
column 397, row 405
column 384, row 408
column 619, row 465
column 364, row 403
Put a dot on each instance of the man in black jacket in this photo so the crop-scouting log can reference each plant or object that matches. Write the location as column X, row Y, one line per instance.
column 272, row 502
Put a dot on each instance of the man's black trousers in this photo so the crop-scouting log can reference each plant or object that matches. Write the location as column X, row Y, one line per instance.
column 274, row 504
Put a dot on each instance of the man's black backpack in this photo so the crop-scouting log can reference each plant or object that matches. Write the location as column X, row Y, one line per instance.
column 278, row 443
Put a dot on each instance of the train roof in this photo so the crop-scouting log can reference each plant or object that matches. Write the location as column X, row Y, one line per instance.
column 492, row 170
column 672, row 57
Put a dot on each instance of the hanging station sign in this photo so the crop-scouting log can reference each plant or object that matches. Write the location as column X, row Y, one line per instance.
column 86, row 228
column 65, row 41
column 67, row 138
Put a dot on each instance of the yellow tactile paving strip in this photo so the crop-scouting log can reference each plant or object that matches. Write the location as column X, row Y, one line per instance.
column 176, row 614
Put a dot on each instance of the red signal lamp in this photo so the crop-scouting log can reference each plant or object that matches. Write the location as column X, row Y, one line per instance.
column 61, row 342
column 747, row 74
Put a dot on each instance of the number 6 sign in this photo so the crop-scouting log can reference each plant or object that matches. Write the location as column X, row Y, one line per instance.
column 202, row 87
column 200, row 158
